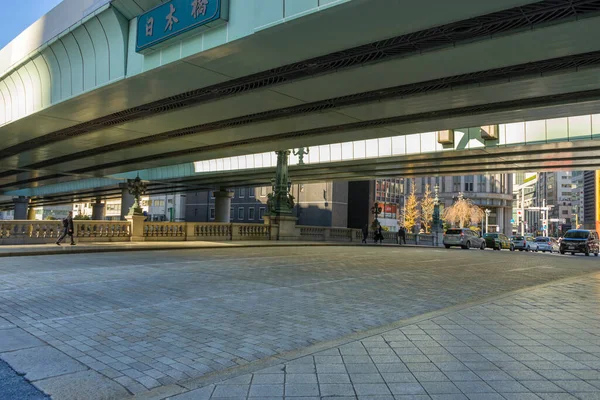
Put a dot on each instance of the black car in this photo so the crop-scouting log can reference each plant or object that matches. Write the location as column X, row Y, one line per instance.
column 580, row 241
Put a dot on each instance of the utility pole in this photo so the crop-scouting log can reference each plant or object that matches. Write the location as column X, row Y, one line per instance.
column 545, row 216
column 523, row 209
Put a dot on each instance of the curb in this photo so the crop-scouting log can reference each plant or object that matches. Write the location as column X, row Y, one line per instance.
column 82, row 250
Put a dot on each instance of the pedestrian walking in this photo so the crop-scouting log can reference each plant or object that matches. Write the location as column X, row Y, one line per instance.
column 379, row 234
column 68, row 229
column 365, row 233
column 402, row 235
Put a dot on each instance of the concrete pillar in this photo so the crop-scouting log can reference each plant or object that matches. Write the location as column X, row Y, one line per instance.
column 98, row 210
column 21, row 206
column 31, row 214
column 223, row 205
column 127, row 200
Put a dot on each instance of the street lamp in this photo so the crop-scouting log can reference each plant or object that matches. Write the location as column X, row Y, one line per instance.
column 136, row 188
column 487, row 214
column 376, row 210
column 436, row 209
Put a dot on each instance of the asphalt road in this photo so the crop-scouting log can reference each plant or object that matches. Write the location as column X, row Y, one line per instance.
column 15, row 387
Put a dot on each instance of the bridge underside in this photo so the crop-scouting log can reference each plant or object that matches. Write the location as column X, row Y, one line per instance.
column 426, row 68
column 580, row 155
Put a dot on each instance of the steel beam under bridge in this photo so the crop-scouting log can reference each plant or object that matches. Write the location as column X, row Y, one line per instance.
column 578, row 155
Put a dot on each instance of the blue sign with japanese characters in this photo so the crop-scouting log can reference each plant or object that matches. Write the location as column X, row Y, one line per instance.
column 177, row 17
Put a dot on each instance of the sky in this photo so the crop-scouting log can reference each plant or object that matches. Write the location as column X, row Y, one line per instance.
column 17, row 15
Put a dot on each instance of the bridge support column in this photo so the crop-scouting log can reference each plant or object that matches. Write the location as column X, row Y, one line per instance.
column 98, row 210
column 31, row 214
column 223, row 205
column 127, row 200
column 281, row 203
column 21, row 207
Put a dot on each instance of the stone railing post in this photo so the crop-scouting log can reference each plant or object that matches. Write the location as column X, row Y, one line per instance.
column 189, row 231
column 137, row 227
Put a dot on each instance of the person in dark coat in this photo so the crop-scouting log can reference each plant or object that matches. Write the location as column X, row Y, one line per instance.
column 379, row 234
column 69, row 229
column 402, row 235
column 365, row 233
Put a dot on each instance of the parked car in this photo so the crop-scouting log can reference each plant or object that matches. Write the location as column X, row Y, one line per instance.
column 526, row 243
column 463, row 237
column 498, row 241
column 545, row 244
column 580, row 241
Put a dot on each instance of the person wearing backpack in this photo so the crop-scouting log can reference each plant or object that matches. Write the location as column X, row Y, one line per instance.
column 68, row 229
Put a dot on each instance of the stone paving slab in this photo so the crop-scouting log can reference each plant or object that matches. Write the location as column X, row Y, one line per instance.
column 17, row 339
column 41, row 362
column 542, row 343
column 158, row 321
column 88, row 385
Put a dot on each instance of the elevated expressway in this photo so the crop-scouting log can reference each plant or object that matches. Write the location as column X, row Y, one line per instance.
column 74, row 120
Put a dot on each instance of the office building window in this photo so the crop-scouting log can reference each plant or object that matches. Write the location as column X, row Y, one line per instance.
column 263, row 191
column 482, row 183
column 261, row 212
column 494, row 183
column 251, row 213
column 241, row 213
column 212, row 194
column 251, row 192
column 469, row 183
column 212, row 213
column 242, row 193
column 231, row 215
column 456, row 183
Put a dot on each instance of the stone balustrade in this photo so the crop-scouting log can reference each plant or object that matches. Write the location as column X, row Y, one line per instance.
column 38, row 232
column 312, row 233
column 17, row 232
column 251, row 231
column 102, row 231
column 165, row 231
column 25, row 232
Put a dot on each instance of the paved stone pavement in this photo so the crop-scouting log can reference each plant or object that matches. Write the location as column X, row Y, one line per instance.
column 540, row 344
column 162, row 322
column 106, row 247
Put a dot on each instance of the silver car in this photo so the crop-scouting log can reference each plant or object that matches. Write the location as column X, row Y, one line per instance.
column 526, row 243
column 464, row 238
column 547, row 244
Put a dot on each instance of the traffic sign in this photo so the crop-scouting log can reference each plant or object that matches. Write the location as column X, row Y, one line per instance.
column 512, row 221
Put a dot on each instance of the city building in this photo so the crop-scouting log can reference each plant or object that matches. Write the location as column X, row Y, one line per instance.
column 554, row 190
column 388, row 193
column 591, row 200
column 577, row 197
column 316, row 204
column 493, row 192
column 166, row 207
column 524, row 198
